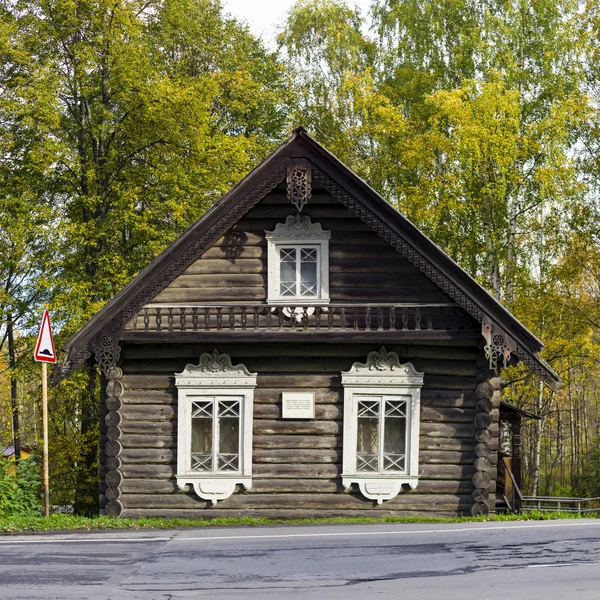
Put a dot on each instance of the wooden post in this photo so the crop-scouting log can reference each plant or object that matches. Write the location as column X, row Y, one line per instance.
column 516, row 450
column 45, row 427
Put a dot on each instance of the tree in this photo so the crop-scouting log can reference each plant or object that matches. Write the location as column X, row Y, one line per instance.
column 152, row 118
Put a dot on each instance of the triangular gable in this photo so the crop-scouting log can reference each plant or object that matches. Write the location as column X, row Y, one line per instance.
column 504, row 334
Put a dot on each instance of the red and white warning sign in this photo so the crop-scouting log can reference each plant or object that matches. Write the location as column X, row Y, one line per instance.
column 44, row 349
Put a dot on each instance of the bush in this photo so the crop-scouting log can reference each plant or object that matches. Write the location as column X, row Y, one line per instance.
column 20, row 488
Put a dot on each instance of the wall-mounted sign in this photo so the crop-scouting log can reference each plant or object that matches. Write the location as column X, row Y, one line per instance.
column 298, row 405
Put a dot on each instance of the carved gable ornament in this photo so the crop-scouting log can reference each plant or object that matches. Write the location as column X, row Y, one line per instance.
column 215, row 369
column 383, row 368
column 298, row 226
column 299, row 180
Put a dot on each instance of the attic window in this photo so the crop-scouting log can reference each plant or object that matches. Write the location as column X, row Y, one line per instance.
column 298, row 262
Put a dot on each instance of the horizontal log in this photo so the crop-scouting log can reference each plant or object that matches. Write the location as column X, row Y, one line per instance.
column 297, row 427
column 149, row 441
column 148, row 456
column 405, row 501
column 214, row 294
column 149, row 427
column 286, row 514
column 150, row 397
column 452, row 444
column 230, row 266
column 149, row 412
column 273, row 396
column 323, row 412
column 448, row 430
column 291, row 442
column 296, row 456
column 147, row 381
column 455, row 472
column 284, row 380
column 139, row 471
column 445, row 457
column 322, row 471
column 325, row 337
column 201, row 282
column 250, row 351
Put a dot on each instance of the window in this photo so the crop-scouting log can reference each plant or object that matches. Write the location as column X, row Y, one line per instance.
column 381, row 433
column 214, row 445
column 298, row 257
column 381, row 425
column 216, row 434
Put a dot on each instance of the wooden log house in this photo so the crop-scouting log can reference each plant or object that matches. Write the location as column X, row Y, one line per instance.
column 302, row 350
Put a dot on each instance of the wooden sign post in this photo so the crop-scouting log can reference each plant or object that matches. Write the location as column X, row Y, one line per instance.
column 44, row 353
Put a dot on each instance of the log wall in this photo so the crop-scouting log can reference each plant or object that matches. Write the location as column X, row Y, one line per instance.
column 297, row 464
column 362, row 266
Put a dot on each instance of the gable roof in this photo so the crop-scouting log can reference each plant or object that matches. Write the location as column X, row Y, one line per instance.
column 354, row 193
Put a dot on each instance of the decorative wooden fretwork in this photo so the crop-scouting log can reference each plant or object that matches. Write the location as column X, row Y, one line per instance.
column 498, row 345
column 299, row 176
column 343, row 318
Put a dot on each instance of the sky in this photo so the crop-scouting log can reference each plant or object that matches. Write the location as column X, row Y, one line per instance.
column 263, row 16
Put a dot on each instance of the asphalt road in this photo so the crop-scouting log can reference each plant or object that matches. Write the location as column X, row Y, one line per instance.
column 517, row 560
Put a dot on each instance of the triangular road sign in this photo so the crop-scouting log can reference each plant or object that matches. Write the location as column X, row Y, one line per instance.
column 44, row 349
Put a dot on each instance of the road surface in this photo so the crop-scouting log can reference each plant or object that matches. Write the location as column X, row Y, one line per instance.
column 516, row 560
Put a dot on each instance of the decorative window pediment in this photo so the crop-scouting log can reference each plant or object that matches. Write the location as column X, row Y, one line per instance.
column 381, row 425
column 214, row 443
column 298, row 262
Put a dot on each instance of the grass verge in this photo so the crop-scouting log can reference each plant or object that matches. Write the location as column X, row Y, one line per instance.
column 18, row 524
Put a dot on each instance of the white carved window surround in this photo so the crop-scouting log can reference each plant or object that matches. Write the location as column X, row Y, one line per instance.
column 214, row 425
column 382, row 403
column 298, row 263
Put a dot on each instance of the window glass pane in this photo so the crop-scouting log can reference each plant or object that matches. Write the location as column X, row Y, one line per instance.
column 229, row 434
column 287, row 271
column 394, row 436
column 367, row 438
column 202, row 433
column 229, row 440
column 308, row 272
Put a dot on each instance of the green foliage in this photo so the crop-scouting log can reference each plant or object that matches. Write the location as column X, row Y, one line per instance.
column 16, row 524
column 20, row 488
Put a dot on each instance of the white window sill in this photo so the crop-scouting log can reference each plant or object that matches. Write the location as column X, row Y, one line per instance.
column 214, row 487
column 307, row 302
column 380, row 487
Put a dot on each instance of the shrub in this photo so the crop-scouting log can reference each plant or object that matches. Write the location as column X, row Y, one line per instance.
column 20, row 487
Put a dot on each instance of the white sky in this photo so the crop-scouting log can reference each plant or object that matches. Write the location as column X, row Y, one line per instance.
column 264, row 16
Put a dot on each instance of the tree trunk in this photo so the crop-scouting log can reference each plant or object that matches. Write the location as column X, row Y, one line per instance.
column 14, row 398
column 538, row 428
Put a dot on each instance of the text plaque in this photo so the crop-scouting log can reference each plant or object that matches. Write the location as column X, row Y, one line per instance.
column 298, row 405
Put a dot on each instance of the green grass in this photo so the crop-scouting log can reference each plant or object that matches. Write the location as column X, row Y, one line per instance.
column 18, row 524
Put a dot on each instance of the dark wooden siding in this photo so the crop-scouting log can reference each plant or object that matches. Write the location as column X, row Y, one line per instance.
column 362, row 266
column 297, row 464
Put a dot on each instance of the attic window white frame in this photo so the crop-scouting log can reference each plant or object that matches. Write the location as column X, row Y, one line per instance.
column 298, row 233
column 214, row 377
column 382, row 377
